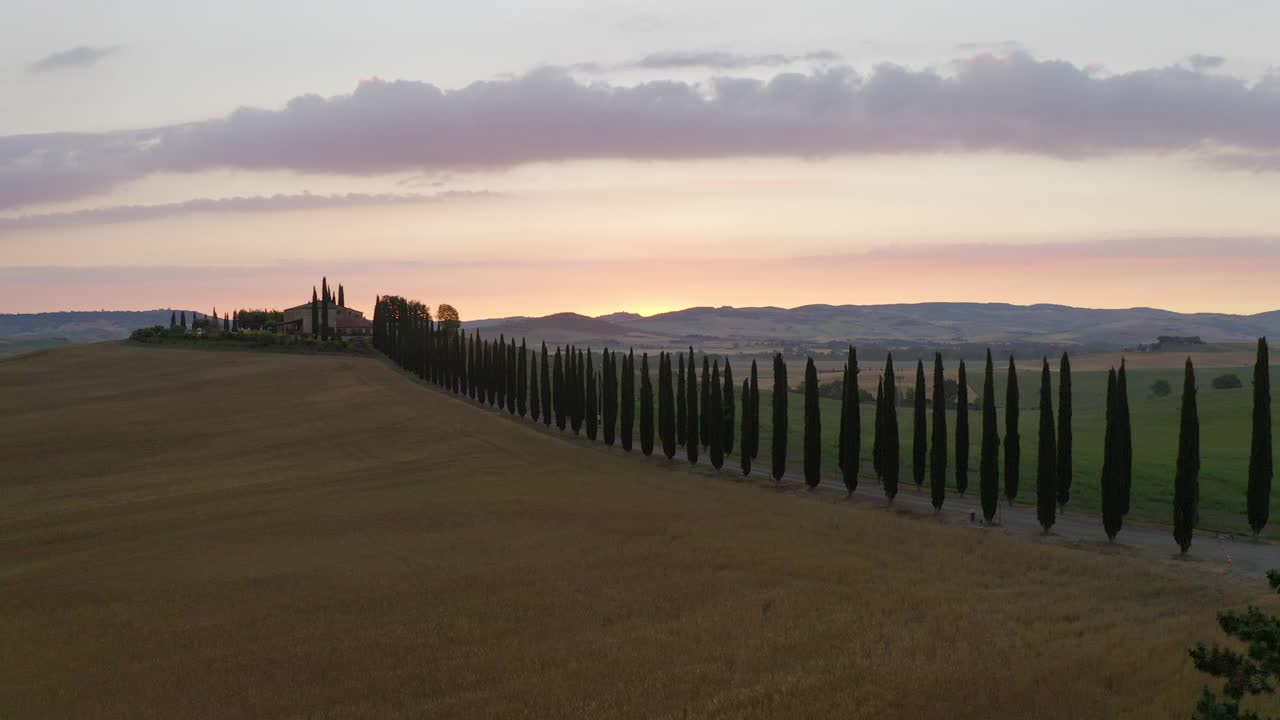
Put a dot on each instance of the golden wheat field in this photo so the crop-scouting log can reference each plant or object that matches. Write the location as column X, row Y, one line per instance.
column 190, row 534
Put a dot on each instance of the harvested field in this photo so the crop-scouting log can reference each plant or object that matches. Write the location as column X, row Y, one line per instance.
column 190, row 534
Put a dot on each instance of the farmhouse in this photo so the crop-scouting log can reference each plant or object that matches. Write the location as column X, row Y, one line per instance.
column 343, row 321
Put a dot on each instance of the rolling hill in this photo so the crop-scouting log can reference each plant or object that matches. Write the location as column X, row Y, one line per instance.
column 934, row 323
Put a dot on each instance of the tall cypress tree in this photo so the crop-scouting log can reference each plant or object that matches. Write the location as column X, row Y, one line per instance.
column 1186, row 483
column 535, row 399
column 704, row 433
column 667, row 407
column 812, row 427
column 226, row 322
column 919, row 429
column 582, row 379
column 877, row 443
column 315, row 313
column 501, row 357
column 646, row 407
column 324, row 310
column 1260, row 459
column 628, row 398
column 522, row 379
column 514, row 384
column 889, row 445
column 744, row 444
column 183, row 321
column 988, row 464
column 1064, row 432
column 1112, row 514
column 961, row 432
column 1046, row 455
column 546, row 386
column 589, row 397
column 692, row 422
column 173, row 318
column 727, row 408
column 851, row 428
column 754, row 413
column 1124, row 439
column 1012, row 438
column 715, row 424
column 779, row 417
column 342, row 296
column 844, row 416
column 609, row 403
column 938, row 451
column 559, row 390
column 682, row 402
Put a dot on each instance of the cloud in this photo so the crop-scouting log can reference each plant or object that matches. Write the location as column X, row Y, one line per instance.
column 641, row 23
column 1206, row 62
column 76, row 57
column 1014, row 104
column 255, row 204
column 726, row 61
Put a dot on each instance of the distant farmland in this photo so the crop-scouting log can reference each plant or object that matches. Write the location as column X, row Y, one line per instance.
column 192, row 534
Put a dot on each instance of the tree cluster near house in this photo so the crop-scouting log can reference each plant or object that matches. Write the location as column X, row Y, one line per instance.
column 705, row 413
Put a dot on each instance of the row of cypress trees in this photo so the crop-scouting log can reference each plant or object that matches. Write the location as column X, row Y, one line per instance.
column 570, row 389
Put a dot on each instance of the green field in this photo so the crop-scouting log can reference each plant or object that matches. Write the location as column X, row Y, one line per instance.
column 1224, row 441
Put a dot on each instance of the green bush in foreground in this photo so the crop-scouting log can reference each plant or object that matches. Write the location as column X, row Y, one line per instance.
column 1254, row 672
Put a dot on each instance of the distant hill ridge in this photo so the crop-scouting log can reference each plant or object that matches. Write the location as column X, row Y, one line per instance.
column 936, row 322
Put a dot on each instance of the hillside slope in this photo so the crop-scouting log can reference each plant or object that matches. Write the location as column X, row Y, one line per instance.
column 192, row 534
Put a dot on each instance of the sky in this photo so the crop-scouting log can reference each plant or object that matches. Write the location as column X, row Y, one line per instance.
column 516, row 158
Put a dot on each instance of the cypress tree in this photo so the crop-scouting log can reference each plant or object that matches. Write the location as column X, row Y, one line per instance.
column 579, row 389
column 727, row 408
column 744, row 444
column 1046, row 455
column 522, row 379
column 324, row 309
column 342, row 296
column 812, row 427
column 1124, row 439
column 692, row 423
column 1112, row 517
column 1064, row 432
column 628, row 398
column 877, row 451
column 609, row 403
column 667, row 407
column 173, row 318
column 844, row 416
column 646, row 407
column 682, row 403
column 779, row 417
column 963, row 432
column 919, row 429
column 509, row 375
column 315, row 313
column 1012, row 439
column 589, row 395
column 1260, row 458
column 889, row 445
column 938, row 451
column 502, row 372
column 715, row 425
column 755, row 412
column 988, row 464
column 1186, row 483
column 704, row 433
column 184, row 312
column 546, row 386
column 491, row 378
column 535, row 400
column 559, row 391
column 851, row 432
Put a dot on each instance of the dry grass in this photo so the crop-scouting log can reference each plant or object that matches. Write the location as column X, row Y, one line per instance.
column 191, row 534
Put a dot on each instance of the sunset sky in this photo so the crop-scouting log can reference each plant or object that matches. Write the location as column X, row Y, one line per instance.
column 519, row 158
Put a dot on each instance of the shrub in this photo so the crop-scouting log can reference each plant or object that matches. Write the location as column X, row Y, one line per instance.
column 1252, row 673
column 1227, row 382
column 1161, row 388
